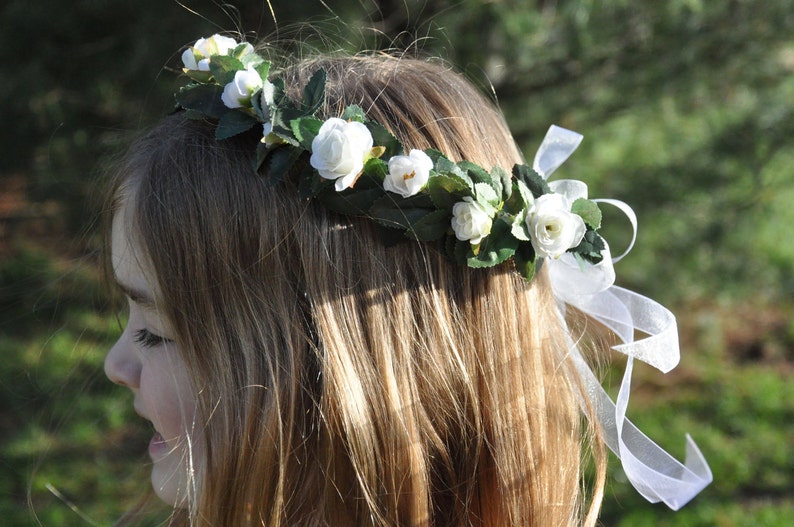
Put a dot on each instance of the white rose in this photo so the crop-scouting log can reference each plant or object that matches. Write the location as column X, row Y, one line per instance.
column 408, row 174
column 339, row 150
column 470, row 221
column 238, row 93
column 198, row 56
column 553, row 228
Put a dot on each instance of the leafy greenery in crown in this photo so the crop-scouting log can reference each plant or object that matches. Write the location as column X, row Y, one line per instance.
column 356, row 167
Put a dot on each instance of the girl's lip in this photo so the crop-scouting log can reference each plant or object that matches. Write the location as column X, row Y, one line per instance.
column 157, row 445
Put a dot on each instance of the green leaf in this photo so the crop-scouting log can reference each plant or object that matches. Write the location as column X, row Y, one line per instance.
column 486, row 194
column 506, row 181
column 384, row 138
column 442, row 165
column 351, row 202
column 524, row 260
column 590, row 247
column 520, row 199
column 199, row 76
column 233, row 123
column 519, row 228
column 202, row 98
column 394, row 212
column 588, row 211
column 223, row 68
column 280, row 162
column 431, row 227
column 479, row 175
column 495, row 248
column 260, row 107
column 354, row 112
column 376, row 168
column 446, row 189
column 536, row 184
column 263, row 69
column 262, row 152
column 305, row 130
column 314, row 93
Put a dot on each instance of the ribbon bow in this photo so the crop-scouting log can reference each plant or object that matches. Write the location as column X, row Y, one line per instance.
column 655, row 474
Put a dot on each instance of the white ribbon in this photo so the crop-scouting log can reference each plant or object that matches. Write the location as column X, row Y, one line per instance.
column 651, row 470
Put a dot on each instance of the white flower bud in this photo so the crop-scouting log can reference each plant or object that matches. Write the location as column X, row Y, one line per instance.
column 553, row 228
column 408, row 174
column 470, row 221
column 339, row 151
column 197, row 57
column 238, row 93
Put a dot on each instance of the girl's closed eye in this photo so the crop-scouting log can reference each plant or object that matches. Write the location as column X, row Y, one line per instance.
column 147, row 339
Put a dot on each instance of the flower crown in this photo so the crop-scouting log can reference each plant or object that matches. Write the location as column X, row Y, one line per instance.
column 356, row 167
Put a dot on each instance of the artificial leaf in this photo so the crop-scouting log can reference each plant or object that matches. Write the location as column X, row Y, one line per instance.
column 263, row 69
column 351, row 202
column 354, row 112
column 588, row 211
column 262, row 151
column 199, row 76
column 495, row 248
column 524, row 260
column 376, row 168
column 431, row 227
column 314, row 93
column 520, row 199
column 479, row 175
column 261, row 109
column 384, row 138
column 223, row 68
column 280, row 162
column 394, row 212
column 486, row 194
column 442, row 165
column 305, row 130
column 590, row 247
column 446, row 189
column 389, row 237
column 202, row 98
column 519, row 228
column 534, row 182
column 233, row 123
column 503, row 177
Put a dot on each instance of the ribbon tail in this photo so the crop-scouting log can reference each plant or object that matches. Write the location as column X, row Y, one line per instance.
column 653, row 472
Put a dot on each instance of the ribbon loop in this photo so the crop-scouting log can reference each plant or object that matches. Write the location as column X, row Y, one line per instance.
column 557, row 146
column 654, row 473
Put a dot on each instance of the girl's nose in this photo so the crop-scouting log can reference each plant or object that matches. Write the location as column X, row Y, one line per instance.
column 122, row 365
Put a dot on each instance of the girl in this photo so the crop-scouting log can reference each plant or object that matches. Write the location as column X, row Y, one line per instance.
column 301, row 365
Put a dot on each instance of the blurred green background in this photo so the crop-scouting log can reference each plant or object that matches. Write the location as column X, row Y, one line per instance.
column 687, row 110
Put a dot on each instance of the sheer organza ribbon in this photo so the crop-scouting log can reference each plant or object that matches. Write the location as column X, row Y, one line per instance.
column 650, row 469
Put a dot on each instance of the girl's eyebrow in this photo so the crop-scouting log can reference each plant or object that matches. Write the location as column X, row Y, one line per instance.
column 136, row 295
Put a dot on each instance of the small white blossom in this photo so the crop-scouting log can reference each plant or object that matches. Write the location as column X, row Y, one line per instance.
column 339, row 151
column 238, row 93
column 470, row 221
column 198, row 56
column 553, row 228
column 408, row 174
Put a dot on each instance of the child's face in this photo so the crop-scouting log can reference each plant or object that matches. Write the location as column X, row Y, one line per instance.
column 146, row 361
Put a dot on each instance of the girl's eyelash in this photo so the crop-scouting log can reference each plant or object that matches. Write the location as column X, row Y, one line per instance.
column 147, row 339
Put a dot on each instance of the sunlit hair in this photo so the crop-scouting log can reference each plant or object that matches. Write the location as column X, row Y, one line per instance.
column 341, row 381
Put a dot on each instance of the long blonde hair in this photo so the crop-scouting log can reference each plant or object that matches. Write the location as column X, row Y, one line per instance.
column 342, row 381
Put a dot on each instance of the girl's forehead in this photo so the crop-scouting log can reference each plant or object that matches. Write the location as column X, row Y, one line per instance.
column 130, row 269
